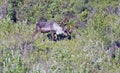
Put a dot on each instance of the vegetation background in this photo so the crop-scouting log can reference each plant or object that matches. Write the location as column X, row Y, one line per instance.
column 94, row 47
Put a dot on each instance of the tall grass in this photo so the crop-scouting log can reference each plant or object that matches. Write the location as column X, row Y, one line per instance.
column 86, row 53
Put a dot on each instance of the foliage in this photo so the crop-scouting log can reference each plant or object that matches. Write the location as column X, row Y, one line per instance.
column 89, row 50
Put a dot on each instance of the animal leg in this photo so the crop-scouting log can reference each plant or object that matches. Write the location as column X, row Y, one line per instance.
column 55, row 37
column 34, row 35
column 41, row 35
column 52, row 35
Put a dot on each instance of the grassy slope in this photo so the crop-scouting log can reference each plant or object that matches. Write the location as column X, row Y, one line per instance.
column 86, row 53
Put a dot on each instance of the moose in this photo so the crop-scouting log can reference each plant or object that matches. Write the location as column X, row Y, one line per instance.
column 50, row 26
